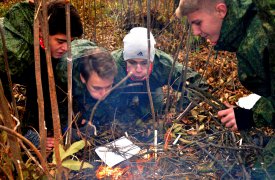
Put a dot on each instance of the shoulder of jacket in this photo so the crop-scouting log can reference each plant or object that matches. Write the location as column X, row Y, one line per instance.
column 162, row 58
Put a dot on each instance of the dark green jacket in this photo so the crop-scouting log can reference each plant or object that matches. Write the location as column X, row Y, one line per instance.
column 249, row 32
column 82, row 100
column 18, row 27
column 104, row 114
column 136, row 96
column 244, row 32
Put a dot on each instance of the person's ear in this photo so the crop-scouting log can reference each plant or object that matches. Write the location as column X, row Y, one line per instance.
column 82, row 79
column 221, row 9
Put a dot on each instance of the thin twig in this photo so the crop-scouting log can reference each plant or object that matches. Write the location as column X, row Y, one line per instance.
column 38, row 154
column 38, row 79
column 113, row 88
column 175, row 59
column 217, row 161
column 184, row 69
column 30, row 155
column 148, row 64
column 69, row 71
column 247, row 176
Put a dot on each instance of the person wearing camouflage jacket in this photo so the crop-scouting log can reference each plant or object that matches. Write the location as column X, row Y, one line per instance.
column 133, row 57
column 18, row 33
column 93, row 75
column 247, row 28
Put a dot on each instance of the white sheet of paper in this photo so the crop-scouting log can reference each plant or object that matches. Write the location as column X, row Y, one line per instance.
column 117, row 151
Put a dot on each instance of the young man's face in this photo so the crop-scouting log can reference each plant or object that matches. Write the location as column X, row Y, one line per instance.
column 206, row 24
column 58, row 45
column 138, row 67
column 97, row 86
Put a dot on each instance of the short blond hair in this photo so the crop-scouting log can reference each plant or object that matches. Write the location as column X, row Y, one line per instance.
column 186, row 7
column 190, row 6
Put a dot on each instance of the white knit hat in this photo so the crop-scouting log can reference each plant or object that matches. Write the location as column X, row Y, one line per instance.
column 136, row 44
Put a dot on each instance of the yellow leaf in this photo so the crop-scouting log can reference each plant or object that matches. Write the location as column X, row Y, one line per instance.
column 194, row 113
column 201, row 127
column 185, row 141
column 75, row 165
column 211, row 138
column 75, row 147
column 61, row 151
column 176, row 126
column 201, row 118
column 177, row 129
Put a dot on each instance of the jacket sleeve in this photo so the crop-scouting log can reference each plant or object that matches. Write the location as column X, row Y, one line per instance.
column 264, row 112
column 255, row 71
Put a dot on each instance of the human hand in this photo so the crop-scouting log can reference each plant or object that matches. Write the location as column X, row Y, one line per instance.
column 49, row 143
column 227, row 117
column 83, row 122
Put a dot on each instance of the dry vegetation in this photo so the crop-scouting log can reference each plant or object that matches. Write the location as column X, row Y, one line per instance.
column 206, row 149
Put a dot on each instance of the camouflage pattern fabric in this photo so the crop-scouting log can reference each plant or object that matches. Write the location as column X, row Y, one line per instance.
column 135, row 98
column 243, row 32
column 82, row 100
column 247, row 33
column 18, row 27
column 1, row 22
column 264, row 168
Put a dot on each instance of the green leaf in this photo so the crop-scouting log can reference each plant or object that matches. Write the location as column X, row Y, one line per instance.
column 61, row 150
column 75, row 147
column 176, row 126
column 75, row 165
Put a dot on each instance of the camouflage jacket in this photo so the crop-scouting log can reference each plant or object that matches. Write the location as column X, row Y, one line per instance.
column 82, row 100
column 18, row 28
column 244, row 32
column 18, row 31
column 158, row 78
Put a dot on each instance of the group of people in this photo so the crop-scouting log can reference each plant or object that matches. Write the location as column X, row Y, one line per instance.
column 244, row 27
column 95, row 71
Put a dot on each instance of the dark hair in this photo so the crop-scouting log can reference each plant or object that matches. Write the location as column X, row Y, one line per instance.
column 57, row 19
column 97, row 60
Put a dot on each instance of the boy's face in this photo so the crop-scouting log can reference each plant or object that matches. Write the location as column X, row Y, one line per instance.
column 97, row 86
column 58, row 45
column 138, row 67
column 206, row 24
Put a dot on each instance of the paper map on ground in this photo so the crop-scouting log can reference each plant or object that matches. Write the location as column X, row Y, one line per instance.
column 117, row 151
